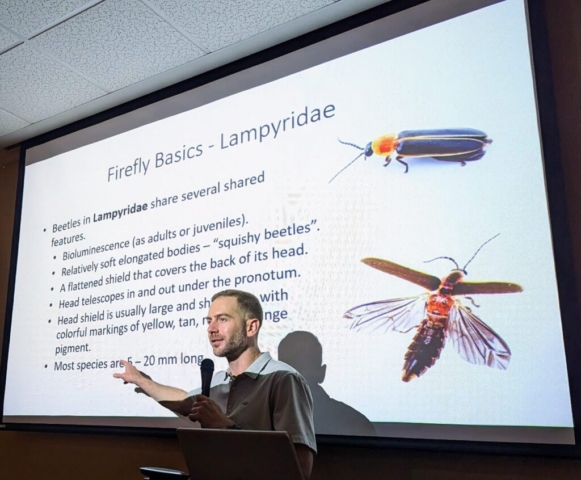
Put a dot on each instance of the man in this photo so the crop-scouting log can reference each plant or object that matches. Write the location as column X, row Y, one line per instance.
column 257, row 392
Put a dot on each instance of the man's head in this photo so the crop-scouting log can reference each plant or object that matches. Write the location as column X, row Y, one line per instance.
column 234, row 319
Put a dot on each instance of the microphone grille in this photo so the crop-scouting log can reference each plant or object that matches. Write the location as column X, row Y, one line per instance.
column 207, row 365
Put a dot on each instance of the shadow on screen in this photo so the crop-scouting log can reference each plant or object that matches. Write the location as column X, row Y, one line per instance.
column 303, row 351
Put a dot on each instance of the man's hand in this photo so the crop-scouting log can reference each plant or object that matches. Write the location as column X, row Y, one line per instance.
column 153, row 389
column 132, row 375
column 208, row 413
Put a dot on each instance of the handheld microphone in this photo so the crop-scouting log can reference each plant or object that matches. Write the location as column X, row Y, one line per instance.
column 207, row 370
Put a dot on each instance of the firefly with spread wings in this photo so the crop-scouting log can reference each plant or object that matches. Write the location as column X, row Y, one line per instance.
column 437, row 315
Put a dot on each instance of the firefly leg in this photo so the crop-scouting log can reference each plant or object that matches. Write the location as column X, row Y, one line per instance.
column 387, row 161
column 472, row 301
column 399, row 159
column 462, row 164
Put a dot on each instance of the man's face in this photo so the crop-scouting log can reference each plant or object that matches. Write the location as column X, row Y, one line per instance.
column 226, row 329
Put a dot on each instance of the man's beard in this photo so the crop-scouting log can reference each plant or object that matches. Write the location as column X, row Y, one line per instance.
column 233, row 347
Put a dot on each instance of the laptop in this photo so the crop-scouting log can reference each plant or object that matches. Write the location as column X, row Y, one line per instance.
column 239, row 454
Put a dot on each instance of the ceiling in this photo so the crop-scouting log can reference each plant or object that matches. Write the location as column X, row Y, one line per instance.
column 63, row 60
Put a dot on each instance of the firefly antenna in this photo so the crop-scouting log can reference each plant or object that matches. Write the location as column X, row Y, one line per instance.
column 350, row 144
column 352, row 161
column 444, row 258
column 480, row 248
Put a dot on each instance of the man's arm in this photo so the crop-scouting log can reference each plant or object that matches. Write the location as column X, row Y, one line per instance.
column 175, row 399
column 293, row 412
column 305, row 456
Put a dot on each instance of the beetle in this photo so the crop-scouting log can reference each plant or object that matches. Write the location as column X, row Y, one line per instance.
column 437, row 315
column 448, row 145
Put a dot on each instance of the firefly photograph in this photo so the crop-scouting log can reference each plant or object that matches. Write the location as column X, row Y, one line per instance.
column 459, row 145
column 437, row 316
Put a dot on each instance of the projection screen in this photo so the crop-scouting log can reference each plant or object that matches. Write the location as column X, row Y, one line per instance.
column 382, row 192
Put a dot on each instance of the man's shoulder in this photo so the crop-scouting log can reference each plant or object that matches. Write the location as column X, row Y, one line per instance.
column 284, row 375
column 277, row 372
column 275, row 366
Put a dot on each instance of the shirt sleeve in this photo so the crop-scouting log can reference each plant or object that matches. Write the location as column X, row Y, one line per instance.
column 292, row 409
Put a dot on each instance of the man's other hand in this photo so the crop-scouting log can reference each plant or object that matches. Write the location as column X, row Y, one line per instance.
column 208, row 413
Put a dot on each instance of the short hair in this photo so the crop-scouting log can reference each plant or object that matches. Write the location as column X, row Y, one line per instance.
column 248, row 305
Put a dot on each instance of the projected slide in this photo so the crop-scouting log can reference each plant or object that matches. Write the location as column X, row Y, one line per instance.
column 387, row 207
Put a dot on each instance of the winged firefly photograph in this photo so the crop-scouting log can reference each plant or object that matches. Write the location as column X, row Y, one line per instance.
column 437, row 316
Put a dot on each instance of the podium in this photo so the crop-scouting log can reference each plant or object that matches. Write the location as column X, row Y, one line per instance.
column 238, row 455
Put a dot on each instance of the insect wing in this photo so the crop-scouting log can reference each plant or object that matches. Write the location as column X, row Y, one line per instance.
column 461, row 157
column 396, row 315
column 446, row 133
column 474, row 288
column 438, row 147
column 429, row 282
column 475, row 341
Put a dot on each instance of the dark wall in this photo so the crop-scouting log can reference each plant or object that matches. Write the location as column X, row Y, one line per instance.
column 49, row 456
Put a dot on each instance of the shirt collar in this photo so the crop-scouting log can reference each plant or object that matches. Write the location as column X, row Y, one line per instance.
column 256, row 368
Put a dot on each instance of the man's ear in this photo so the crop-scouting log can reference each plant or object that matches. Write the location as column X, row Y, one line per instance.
column 252, row 327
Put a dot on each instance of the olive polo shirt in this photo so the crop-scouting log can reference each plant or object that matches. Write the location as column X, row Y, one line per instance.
column 269, row 395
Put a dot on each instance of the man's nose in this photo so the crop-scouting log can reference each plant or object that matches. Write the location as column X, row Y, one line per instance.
column 212, row 326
